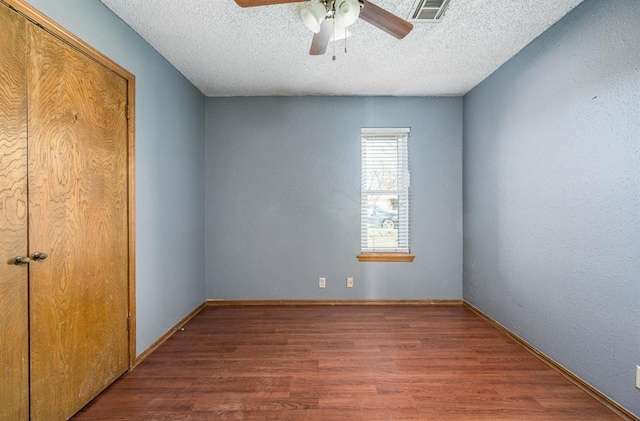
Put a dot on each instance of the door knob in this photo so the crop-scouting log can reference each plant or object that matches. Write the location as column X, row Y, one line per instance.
column 39, row 256
column 21, row 260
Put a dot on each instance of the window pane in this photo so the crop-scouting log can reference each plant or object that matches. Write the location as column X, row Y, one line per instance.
column 385, row 191
column 381, row 165
column 382, row 221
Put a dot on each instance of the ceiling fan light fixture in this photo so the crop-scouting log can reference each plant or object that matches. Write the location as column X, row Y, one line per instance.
column 346, row 12
column 313, row 16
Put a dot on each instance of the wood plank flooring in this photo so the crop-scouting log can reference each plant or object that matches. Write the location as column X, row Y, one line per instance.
column 326, row 363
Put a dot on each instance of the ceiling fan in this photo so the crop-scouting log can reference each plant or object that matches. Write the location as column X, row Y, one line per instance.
column 329, row 19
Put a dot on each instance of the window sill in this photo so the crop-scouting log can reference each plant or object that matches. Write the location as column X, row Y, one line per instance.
column 386, row 257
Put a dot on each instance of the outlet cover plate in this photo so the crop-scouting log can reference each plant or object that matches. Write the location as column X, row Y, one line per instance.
column 349, row 282
column 322, row 283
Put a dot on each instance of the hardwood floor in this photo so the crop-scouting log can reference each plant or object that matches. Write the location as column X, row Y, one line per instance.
column 326, row 363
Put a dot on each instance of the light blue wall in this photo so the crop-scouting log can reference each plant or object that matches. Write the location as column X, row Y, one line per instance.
column 170, row 125
column 552, row 195
column 551, row 169
column 283, row 198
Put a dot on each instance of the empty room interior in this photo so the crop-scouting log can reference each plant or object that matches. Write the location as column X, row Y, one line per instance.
column 219, row 159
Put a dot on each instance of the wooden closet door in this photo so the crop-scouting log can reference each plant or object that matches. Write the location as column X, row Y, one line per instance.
column 78, row 216
column 14, row 375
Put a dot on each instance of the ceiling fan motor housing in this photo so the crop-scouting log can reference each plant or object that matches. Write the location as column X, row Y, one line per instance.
column 345, row 13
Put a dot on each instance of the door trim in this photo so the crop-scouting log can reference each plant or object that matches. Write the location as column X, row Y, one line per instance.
column 41, row 20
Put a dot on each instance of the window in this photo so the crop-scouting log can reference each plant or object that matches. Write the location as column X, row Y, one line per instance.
column 384, row 211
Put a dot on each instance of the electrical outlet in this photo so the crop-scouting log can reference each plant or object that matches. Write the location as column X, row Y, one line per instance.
column 349, row 282
column 322, row 283
column 638, row 376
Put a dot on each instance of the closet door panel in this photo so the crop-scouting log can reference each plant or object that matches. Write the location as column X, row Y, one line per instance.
column 78, row 216
column 14, row 375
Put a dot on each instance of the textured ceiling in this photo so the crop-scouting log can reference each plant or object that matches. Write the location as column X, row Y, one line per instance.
column 226, row 50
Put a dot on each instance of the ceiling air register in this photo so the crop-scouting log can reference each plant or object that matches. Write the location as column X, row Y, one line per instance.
column 428, row 10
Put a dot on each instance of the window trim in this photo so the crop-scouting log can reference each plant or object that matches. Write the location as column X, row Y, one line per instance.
column 404, row 255
column 385, row 257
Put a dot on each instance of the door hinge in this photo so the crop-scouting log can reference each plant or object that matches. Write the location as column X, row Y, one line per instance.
column 126, row 111
column 129, row 322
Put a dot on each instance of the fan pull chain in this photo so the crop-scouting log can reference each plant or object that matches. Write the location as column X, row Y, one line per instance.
column 334, row 43
column 345, row 40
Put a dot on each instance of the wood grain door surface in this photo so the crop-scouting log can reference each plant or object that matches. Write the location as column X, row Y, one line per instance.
column 78, row 216
column 14, row 375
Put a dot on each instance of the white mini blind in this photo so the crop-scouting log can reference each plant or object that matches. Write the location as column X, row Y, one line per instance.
column 385, row 207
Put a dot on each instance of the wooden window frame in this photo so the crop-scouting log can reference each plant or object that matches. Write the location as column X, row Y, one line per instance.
column 403, row 255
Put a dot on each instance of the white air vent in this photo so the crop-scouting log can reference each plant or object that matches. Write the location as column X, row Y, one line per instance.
column 428, row 10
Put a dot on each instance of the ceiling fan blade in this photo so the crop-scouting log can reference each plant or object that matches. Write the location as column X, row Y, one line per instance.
column 384, row 20
column 321, row 39
column 254, row 3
